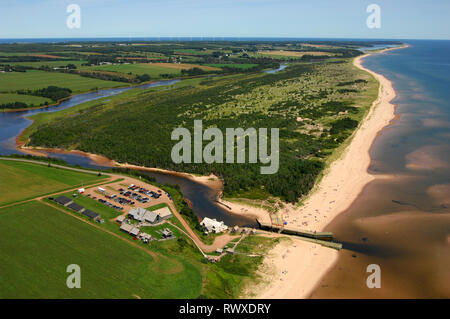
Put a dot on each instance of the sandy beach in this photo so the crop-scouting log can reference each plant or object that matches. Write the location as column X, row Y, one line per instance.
column 294, row 270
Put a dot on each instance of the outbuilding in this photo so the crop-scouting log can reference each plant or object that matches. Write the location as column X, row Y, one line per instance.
column 92, row 215
column 63, row 200
column 76, row 207
column 120, row 219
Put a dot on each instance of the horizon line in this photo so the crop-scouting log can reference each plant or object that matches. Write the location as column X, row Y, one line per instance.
column 215, row 38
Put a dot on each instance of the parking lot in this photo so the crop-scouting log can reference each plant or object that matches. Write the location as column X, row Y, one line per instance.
column 126, row 194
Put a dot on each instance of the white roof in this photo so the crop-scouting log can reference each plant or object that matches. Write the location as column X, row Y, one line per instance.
column 212, row 225
column 135, row 231
column 150, row 217
column 126, row 228
column 120, row 218
column 163, row 212
column 145, row 236
column 138, row 213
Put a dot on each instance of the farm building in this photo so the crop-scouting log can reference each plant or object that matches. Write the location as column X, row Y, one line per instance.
column 63, row 200
column 126, row 228
column 145, row 237
column 163, row 213
column 120, row 219
column 213, row 226
column 130, row 229
column 134, row 232
column 151, row 217
column 92, row 215
column 76, row 207
column 137, row 213
column 167, row 233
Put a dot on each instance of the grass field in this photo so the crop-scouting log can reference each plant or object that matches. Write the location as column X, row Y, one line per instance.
column 289, row 55
column 13, row 81
column 20, row 181
column 52, row 64
column 295, row 53
column 28, row 99
column 49, row 240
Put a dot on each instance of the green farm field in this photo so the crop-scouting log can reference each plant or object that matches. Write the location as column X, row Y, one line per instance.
column 137, row 69
column 112, row 264
column 49, row 240
column 21, row 181
column 33, row 80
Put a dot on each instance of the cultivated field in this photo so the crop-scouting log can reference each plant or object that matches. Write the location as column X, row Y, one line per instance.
column 152, row 69
column 33, row 80
column 49, row 240
column 293, row 54
column 20, row 181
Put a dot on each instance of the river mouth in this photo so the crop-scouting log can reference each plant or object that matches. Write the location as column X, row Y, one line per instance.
column 203, row 198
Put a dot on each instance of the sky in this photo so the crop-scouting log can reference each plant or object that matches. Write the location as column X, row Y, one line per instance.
column 399, row 19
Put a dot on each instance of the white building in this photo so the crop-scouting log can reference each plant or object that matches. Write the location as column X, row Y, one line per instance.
column 163, row 213
column 152, row 217
column 213, row 226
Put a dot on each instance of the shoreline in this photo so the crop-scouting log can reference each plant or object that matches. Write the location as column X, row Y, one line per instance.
column 341, row 184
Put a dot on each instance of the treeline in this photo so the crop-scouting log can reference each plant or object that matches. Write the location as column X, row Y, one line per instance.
column 14, row 68
column 14, row 105
column 117, row 77
column 52, row 92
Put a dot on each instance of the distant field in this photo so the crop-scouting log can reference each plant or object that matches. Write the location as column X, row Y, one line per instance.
column 52, row 64
column 28, row 99
column 294, row 54
column 20, row 181
column 138, row 69
column 152, row 69
column 233, row 65
column 49, row 240
column 193, row 51
column 184, row 66
column 32, row 80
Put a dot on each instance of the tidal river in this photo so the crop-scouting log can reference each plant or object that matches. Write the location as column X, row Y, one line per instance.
column 201, row 197
column 401, row 221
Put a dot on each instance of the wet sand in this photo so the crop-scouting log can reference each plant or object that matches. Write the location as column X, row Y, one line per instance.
column 343, row 182
column 401, row 222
